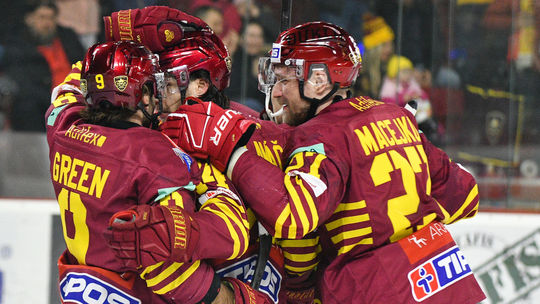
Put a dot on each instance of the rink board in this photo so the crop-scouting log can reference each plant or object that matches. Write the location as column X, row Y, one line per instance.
column 503, row 249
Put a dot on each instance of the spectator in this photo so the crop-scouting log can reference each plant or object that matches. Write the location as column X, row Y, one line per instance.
column 39, row 57
column 245, row 64
column 231, row 25
column 379, row 47
column 400, row 86
column 261, row 12
column 82, row 16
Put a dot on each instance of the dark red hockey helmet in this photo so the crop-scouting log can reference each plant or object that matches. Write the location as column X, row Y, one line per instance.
column 308, row 47
column 314, row 44
column 202, row 51
column 116, row 72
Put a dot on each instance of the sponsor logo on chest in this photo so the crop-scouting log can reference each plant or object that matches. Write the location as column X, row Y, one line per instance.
column 84, row 288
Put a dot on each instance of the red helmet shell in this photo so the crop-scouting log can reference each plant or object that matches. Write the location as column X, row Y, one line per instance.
column 320, row 43
column 201, row 52
column 116, row 72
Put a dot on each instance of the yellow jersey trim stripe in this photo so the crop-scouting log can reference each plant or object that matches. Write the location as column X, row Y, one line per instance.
column 351, row 234
column 472, row 195
column 299, row 243
column 351, row 206
column 162, row 275
column 301, row 269
column 345, row 249
column 226, row 215
column 181, row 279
column 347, row 220
column 301, row 257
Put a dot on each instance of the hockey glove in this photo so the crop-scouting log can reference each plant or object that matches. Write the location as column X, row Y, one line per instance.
column 157, row 27
column 145, row 235
column 206, row 131
column 245, row 294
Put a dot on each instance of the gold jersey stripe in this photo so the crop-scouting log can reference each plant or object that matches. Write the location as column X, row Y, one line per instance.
column 299, row 243
column 162, row 275
column 282, row 218
column 351, row 234
column 311, row 205
column 347, row 220
column 350, row 206
column 181, row 279
column 150, row 269
column 345, row 249
column 300, row 269
column 226, row 215
column 301, row 257
column 470, row 198
column 239, row 209
column 299, row 209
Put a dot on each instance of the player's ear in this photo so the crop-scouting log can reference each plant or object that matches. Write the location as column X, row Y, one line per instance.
column 202, row 86
column 319, row 81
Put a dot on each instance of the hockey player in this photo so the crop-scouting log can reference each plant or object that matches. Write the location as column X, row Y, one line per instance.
column 359, row 174
column 105, row 159
column 201, row 65
column 188, row 49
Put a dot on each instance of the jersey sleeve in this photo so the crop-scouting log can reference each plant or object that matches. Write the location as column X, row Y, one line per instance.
column 454, row 188
column 300, row 197
column 222, row 217
column 179, row 282
column 66, row 101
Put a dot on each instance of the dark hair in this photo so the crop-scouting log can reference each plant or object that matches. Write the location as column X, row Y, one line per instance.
column 213, row 94
column 105, row 113
column 30, row 6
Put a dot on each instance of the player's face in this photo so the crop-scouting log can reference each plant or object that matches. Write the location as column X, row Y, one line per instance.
column 173, row 98
column 285, row 93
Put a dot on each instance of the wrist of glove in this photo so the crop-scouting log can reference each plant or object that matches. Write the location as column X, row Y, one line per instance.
column 206, row 131
column 145, row 235
column 157, row 27
column 243, row 293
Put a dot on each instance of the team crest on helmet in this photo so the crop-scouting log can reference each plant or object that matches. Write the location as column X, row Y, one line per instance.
column 121, row 82
column 228, row 62
column 84, row 86
column 355, row 56
column 169, row 35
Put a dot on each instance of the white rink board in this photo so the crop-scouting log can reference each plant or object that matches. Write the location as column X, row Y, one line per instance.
column 502, row 248
column 25, row 250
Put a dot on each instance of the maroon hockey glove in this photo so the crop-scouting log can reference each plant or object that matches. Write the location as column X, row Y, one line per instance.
column 244, row 294
column 207, row 131
column 145, row 235
column 157, row 27
column 300, row 289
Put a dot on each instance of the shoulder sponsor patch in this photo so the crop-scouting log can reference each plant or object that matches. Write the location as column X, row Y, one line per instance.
column 425, row 241
column 438, row 273
column 84, row 288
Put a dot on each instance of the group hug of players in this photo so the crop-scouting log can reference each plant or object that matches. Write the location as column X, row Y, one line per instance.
column 171, row 193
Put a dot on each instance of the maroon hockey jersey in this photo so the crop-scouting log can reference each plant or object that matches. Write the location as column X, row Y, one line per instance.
column 99, row 170
column 365, row 179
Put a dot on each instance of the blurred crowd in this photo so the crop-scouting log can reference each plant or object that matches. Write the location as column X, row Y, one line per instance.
column 429, row 51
